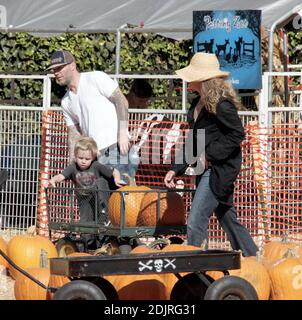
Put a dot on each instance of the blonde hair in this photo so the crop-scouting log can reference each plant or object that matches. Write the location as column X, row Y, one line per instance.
column 86, row 143
column 213, row 89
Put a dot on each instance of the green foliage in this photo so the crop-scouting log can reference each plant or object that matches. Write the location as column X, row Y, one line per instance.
column 295, row 42
column 23, row 53
column 141, row 53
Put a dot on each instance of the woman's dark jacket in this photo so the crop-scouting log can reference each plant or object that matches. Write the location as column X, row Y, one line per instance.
column 223, row 135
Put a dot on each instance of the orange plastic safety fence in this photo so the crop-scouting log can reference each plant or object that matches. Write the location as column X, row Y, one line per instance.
column 267, row 191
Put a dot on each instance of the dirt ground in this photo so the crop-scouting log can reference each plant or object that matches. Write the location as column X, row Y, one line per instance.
column 6, row 287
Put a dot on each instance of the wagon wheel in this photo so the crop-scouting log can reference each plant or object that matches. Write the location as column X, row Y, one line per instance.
column 107, row 288
column 191, row 287
column 231, row 288
column 65, row 247
column 79, row 290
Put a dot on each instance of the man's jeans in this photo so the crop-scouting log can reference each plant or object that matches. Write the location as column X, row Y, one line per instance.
column 203, row 205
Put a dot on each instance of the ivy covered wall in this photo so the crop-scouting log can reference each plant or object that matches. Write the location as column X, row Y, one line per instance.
column 22, row 53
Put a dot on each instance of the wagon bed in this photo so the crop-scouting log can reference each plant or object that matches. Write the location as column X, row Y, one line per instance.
column 146, row 263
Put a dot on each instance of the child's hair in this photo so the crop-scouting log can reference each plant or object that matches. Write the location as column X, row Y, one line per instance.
column 86, row 143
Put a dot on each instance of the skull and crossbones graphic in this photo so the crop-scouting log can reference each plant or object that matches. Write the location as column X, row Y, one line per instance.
column 158, row 264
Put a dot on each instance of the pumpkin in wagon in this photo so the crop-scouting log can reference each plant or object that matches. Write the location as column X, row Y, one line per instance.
column 171, row 209
column 132, row 201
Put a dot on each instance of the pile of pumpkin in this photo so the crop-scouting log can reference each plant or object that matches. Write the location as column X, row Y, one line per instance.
column 28, row 251
column 31, row 252
column 141, row 207
column 275, row 275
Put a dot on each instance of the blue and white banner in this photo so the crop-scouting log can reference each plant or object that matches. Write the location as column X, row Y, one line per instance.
column 234, row 36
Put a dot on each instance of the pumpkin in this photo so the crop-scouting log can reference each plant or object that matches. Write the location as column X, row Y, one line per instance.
column 27, row 289
column 3, row 247
column 256, row 274
column 132, row 202
column 286, row 277
column 215, row 274
column 275, row 250
column 169, row 278
column 24, row 250
column 172, row 209
column 254, row 271
column 143, row 249
column 139, row 287
column 78, row 254
column 56, row 280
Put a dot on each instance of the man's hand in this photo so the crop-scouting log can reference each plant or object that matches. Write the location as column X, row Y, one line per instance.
column 117, row 178
column 124, row 143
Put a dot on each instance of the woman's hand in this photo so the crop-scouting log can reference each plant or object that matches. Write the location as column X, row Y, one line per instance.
column 169, row 179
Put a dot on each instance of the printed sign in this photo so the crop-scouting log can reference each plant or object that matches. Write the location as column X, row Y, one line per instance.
column 234, row 36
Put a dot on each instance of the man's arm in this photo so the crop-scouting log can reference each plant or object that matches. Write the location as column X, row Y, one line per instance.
column 74, row 133
column 121, row 105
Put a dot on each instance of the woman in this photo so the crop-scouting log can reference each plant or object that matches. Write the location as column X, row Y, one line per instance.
column 216, row 113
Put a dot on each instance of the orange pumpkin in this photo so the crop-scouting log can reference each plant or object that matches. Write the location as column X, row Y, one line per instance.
column 3, row 247
column 172, row 209
column 78, row 254
column 256, row 274
column 143, row 249
column 24, row 250
column 57, row 280
column 132, row 205
column 254, row 271
column 286, row 275
column 139, row 287
column 26, row 289
column 215, row 274
column 275, row 250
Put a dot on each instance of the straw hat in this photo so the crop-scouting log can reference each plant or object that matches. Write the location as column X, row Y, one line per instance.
column 203, row 66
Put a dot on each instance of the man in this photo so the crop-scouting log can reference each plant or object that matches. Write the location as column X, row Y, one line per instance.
column 93, row 106
column 139, row 94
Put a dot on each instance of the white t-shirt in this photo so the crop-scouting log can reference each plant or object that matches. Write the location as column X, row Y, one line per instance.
column 91, row 109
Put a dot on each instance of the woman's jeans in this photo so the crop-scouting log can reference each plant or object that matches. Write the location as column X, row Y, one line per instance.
column 203, row 205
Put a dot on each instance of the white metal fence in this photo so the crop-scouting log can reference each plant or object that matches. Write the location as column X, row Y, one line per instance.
column 20, row 130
